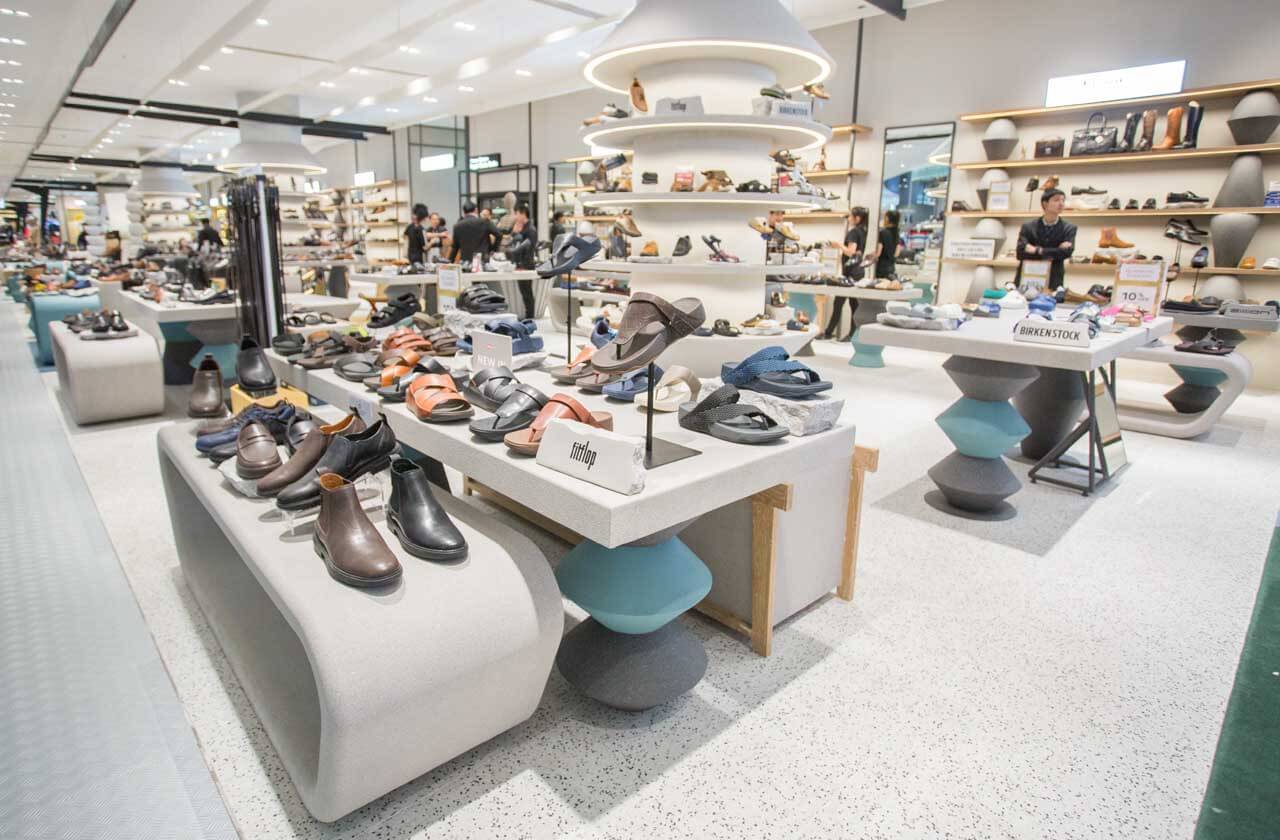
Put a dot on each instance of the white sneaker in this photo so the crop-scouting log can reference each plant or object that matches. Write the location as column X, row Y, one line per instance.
column 1272, row 264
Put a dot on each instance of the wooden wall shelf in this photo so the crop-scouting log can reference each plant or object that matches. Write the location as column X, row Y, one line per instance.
column 816, row 216
column 1104, row 268
column 835, row 173
column 850, row 128
column 1052, row 164
column 1167, row 213
column 1214, row 92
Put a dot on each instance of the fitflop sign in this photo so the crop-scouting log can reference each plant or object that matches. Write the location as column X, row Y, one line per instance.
column 1062, row 333
column 606, row 459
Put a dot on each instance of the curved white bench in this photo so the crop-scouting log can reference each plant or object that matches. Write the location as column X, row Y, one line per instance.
column 1235, row 366
column 360, row 690
column 110, row 379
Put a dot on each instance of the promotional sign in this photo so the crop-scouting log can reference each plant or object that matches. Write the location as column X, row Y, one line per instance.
column 1110, row 85
column 1139, row 284
column 971, row 249
column 1036, row 272
column 831, row 258
column 999, row 196
column 364, row 179
column 1062, row 333
column 477, row 162
column 490, row 350
column 449, row 286
column 606, row 459
column 1251, row 311
column 794, row 108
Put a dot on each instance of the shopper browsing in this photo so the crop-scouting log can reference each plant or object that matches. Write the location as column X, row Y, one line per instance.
column 888, row 241
column 522, row 252
column 855, row 243
column 416, row 235
column 208, row 236
column 472, row 236
column 437, row 236
column 1049, row 237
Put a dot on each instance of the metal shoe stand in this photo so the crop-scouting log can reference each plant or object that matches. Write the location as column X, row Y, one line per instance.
column 1097, row 469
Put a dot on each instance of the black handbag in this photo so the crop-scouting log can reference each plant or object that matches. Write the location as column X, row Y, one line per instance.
column 1049, row 147
column 1094, row 140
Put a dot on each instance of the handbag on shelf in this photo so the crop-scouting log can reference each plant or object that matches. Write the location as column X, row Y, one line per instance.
column 1094, row 140
column 1050, row 147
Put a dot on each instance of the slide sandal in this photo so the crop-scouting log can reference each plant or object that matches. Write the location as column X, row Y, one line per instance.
column 675, row 387
column 649, row 326
column 392, row 359
column 433, row 399
column 594, row 382
column 527, row 441
column 771, row 371
column 356, row 367
column 489, row 388
column 722, row 416
column 629, row 386
column 572, row 253
column 517, row 412
column 580, row 366
column 396, row 391
column 445, row 344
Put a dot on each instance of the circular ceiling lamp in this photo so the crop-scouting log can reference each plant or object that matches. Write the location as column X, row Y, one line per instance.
column 165, row 180
column 759, row 31
column 285, row 158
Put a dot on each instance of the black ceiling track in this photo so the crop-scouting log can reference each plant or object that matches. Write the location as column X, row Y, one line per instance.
column 120, row 163
column 232, row 114
column 35, row 185
column 318, row 130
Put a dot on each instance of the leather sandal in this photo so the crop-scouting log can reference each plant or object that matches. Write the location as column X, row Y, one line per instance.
column 723, row 327
column 722, row 416
column 649, row 326
column 580, row 366
column 395, row 392
column 519, row 410
column 434, row 398
column 356, row 367
column 527, row 441
column 490, row 387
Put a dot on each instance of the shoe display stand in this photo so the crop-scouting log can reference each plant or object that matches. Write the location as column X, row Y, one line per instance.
column 507, row 283
column 376, row 216
column 871, row 302
column 105, row 380
column 168, row 227
column 1210, row 384
column 990, row 367
column 775, row 533
column 49, row 308
column 363, row 690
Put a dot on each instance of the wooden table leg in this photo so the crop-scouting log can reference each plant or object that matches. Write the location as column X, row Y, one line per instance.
column 764, row 556
column 865, row 459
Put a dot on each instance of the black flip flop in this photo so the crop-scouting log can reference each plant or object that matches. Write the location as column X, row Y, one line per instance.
column 489, row 388
column 722, row 416
column 519, row 410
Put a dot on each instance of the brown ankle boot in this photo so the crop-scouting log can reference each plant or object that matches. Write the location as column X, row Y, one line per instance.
column 1109, row 239
column 1148, row 131
column 1172, row 129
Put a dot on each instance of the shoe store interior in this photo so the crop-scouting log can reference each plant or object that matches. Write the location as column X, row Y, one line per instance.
column 640, row 419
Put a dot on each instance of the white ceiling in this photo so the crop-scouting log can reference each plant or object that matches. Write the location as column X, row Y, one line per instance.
column 378, row 62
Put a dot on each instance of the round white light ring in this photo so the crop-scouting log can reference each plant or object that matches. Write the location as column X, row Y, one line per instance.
column 594, row 138
column 821, row 66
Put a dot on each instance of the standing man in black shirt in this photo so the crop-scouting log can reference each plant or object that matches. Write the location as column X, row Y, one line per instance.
column 472, row 236
column 416, row 235
column 1047, row 238
column 522, row 252
column 208, row 235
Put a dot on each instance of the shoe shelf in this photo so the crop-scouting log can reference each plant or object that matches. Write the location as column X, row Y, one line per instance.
column 375, row 204
column 782, row 133
column 814, row 174
column 1214, row 92
column 861, row 292
column 743, row 199
column 1049, row 164
column 591, row 294
column 1108, row 268
column 1165, row 213
column 817, row 216
column 700, row 267
column 850, row 128
column 591, row 218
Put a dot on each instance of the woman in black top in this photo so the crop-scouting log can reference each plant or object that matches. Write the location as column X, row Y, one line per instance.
column 437, row 236
column 417, row 238
column 855, row 244
column 887, row 244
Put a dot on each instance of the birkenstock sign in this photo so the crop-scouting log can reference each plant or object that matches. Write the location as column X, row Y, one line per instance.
column 607, row 459
column 1064, row 334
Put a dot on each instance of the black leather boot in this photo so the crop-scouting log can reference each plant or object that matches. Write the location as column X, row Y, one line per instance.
column 253, row 371
column 1131, row 121
column 1195, row 115
column 418, row 519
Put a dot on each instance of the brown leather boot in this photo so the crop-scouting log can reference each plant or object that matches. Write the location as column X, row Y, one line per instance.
column 1148, row 131
column 351, row 548
column 1172, row 129
column 307, row 455
column 1109, row 239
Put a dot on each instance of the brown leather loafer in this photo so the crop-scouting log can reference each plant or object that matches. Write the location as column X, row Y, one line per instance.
column 206, row 390
column 256, row 453
column 352, row 549
column 307, row 455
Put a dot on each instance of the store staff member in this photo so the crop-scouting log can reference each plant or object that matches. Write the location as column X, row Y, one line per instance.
column 208, row 235
column 523, row 251
column 416, row 235
column 472, row 235
column 1048, row 238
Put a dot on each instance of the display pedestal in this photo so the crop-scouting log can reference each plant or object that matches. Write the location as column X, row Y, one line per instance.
column 866, row 355
column 241, row 400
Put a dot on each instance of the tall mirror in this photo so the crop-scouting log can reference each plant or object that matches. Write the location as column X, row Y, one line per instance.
column 916, row 179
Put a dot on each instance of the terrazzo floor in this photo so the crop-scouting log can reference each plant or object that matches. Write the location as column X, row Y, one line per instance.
column 1060, row 675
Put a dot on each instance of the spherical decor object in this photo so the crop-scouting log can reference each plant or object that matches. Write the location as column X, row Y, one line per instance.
column 1255, row 117
column 984, row 277
column 1222, row 286
column 974, row 484
column 990, row 229
column 991, row 176
column 1231, row 234
column 1000, row 139
column 1243, row 186
column 631, row 672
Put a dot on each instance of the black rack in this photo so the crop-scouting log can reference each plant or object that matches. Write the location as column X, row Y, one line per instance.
column 253, row 208
column 469, row 186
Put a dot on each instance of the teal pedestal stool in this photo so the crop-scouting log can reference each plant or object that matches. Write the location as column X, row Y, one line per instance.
column 631, row 654
column 974, row 480
column 866, row 355
column 47, row 308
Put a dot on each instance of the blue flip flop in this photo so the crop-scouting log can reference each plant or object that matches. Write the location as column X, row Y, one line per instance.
column 626, row 388
column 771, row 371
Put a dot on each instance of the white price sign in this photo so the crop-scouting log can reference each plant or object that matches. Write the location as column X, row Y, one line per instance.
column 1036, row 269
column 971, row 249
column 1139, row 284
column 449, row 285
column 490, row 350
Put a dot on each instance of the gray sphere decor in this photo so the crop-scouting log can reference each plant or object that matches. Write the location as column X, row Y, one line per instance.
column 1221, row 286
column 1255, row 117
column 991, row 229
column 984, row 277
column 631, row 672
column 1000, row 139
column 1243, row 186
column 1231, row 234
column 988, row 178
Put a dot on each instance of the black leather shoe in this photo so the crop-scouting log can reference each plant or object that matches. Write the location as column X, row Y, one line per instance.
column 350, row 456
column 1187, row 197
column 1114, row 205
column 118, row 323
column 253, row 371
column 1190, row 225
column 682, row 247
column 101, row 322
column 1132, row 205
column 1201, row 257
column 417, row 518
column 1149, row 204
column 1087, row 191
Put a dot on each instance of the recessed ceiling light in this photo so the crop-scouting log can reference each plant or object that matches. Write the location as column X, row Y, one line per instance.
column 336, row 111
column 327, row 84
column 187, row 146
column 88, row 155
column 393, row 110
column 17, row 12
column 466, row 88
column 209, row 156
column 107, row 140
column 204, row 67
column 464, row 26
column 226, row 51
column 429, row 99
column 366, row 100
column 126, row 125
column 224, row 152
column 405, row 48
column 583, row 54
column 13, row 63
column 262, row 22
column 524, row 73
